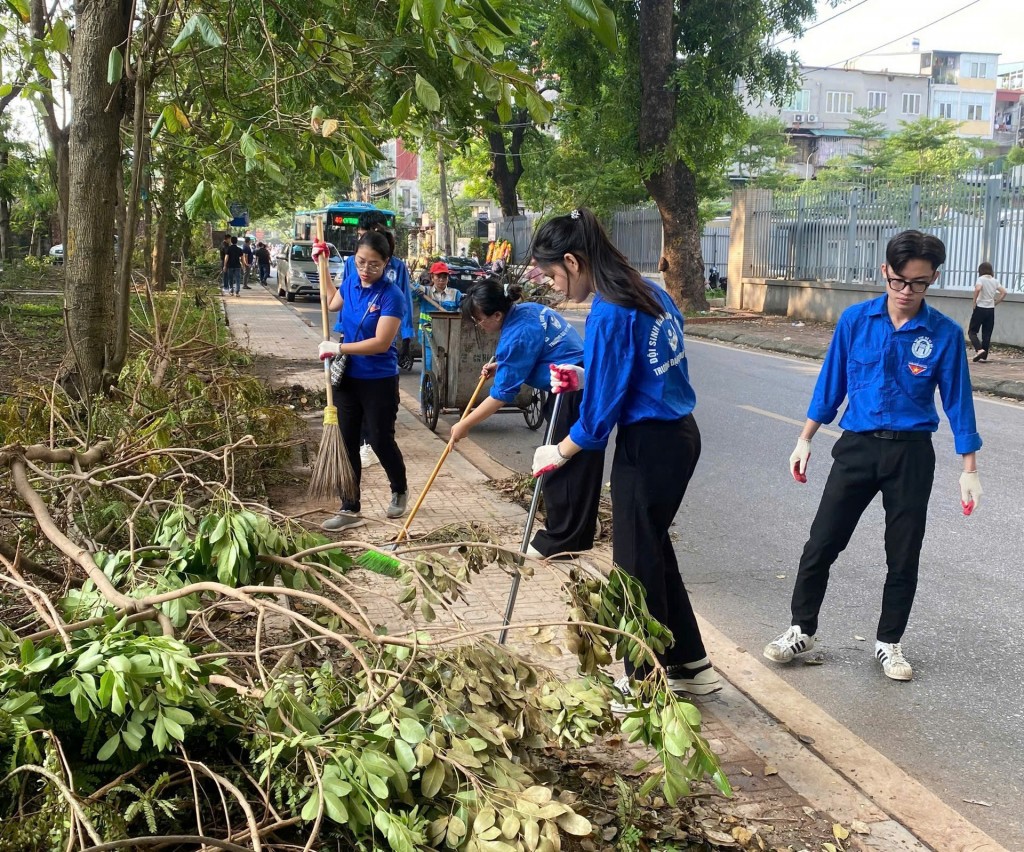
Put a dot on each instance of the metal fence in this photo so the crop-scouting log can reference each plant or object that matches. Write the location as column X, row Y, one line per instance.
column 839, row 233
column 636, row 232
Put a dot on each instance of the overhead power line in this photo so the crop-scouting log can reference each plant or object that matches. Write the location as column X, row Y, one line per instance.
column 820, row 23
column 900, row 38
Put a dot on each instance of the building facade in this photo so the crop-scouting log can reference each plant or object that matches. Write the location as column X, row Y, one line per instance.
column 963, row 89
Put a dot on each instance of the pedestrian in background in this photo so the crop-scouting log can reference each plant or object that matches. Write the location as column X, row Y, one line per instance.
column 225, row 243
column 531, row 337
column 232, row 267
column 367, row 397
column 886, row 358
column 247, row 263
column 987, row 294
column 438, row 291
column 262, row 255
column 635, row 377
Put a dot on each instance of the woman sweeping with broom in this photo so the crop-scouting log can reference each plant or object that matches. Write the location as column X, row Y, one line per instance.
column 636, row 378
column 367, row 394
column 531, row 338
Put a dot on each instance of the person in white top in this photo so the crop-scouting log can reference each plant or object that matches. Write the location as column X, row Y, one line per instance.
column 987, row 294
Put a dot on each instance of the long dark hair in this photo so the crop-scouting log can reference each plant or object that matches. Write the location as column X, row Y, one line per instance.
column 488, row 296
column 380, row 241
column 580, row 234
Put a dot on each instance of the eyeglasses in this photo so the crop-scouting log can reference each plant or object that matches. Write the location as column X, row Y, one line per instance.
column 899, row 285
column 479, row 322
column 369, row 267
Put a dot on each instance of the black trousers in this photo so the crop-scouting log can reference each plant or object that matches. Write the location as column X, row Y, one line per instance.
column 571, row 493
column 983, row 319
column 654, row 461
column 902, row 470
column 371, row 404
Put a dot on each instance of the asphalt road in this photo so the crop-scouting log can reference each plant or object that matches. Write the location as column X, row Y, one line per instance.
column 959, row 725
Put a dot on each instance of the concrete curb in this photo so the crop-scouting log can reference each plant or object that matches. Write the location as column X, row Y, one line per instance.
column 882, row 782
column 769, row 343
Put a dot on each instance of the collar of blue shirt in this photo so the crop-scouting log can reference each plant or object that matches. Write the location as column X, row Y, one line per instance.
column 923, row 318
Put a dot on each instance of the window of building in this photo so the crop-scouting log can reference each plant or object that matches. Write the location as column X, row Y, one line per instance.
column 945, row 110
column 911, row 104
column 979, row 70
column 878, row 101
column 800, row 101
column 975, row 112
column 406, row 197
column 841, row 102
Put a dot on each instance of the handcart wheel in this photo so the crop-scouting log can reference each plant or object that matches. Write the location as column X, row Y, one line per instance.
column 534, row 412
column 430, row 408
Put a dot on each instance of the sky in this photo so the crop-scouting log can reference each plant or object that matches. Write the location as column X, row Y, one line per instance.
column 987, row 26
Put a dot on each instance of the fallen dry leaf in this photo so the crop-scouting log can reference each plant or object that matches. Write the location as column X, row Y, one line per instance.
column 742, row 835
column 859, row 638
column 770, row 770
column 838, row 832
column 806, row 740
column 746, row 771
column 859, row 827
column 978, row 802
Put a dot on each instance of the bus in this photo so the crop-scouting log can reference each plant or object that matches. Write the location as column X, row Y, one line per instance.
column 340, row 221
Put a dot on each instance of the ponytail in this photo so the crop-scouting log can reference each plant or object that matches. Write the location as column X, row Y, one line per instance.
column 580, row 234
column 488, row 296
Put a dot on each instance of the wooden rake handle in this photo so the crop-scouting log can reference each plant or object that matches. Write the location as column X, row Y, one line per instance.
column 404, row 531
column 325, row 273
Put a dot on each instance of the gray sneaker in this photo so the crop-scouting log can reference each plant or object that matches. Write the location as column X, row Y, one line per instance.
column 343, row 521
column 399, row 503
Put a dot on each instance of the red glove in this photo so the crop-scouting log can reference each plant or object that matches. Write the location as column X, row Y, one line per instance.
column 319, row 248
column 565, row 378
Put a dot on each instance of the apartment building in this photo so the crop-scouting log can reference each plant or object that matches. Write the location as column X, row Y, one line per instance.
column 963, row 89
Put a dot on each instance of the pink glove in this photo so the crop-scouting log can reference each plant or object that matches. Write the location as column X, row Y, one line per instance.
column 565, row 378
column 319, row 248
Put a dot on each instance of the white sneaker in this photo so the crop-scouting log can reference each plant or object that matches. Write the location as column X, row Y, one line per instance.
column 367, row 456
column 698, row 678
column 794, row 641
column 894, row 664
column 628, row 703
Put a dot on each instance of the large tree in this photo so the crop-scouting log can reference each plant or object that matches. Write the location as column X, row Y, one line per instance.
column 667, row 104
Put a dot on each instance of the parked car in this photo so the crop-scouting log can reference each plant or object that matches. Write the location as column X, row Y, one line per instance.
column 297, row 272
column 57, row 253
column 464, row 271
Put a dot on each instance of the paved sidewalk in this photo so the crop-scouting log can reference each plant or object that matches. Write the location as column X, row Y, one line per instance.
column 1002, row 375
column 790, row 764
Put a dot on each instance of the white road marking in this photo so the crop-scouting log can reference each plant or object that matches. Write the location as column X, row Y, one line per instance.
column 822, row 431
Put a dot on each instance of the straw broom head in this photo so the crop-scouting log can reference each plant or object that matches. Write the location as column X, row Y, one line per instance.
column 332, row 473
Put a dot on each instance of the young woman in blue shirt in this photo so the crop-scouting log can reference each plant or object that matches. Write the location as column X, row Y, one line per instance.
column 531, row 338
column 634, row 377
column 371, row 312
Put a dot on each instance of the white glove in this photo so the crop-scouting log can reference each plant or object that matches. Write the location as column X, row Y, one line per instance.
column 565, row 378
column 798, row 460
column 970, row 491
column 329, row 349
column 546, row 459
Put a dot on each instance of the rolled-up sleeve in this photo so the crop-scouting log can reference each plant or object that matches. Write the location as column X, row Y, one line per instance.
column 608, row 358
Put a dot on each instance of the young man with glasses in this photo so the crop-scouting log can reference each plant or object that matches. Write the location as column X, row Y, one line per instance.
column 886, row 359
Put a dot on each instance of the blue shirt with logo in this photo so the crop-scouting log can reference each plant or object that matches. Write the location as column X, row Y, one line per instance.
column 635, row 367
column 533, row 337
column 397, row 273
column 889, row 376
column 363, row 308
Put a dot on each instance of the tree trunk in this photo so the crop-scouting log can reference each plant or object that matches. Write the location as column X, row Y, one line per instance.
column 673, row 186
column 444, row 226
column 159, row 259
column 94, row 160
column 507, row 162
column 58, row 135
column 5, row 211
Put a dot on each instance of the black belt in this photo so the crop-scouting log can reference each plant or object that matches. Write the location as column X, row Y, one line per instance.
column 889, row 435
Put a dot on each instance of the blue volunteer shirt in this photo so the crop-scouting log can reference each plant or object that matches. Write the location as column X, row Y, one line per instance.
column 635, row 369
column 890, row 376
column 397, row 273
column 363, row 308
column 533, row 337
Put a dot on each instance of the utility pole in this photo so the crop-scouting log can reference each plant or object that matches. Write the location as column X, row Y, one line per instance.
column 444, row 235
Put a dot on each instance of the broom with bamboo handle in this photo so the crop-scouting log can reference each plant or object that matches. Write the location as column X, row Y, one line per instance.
column 332, row 473
column 404, row 531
